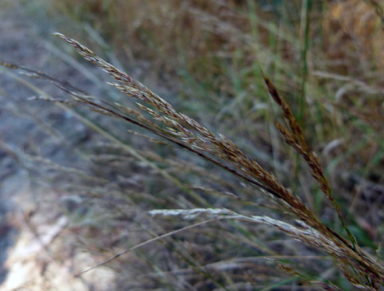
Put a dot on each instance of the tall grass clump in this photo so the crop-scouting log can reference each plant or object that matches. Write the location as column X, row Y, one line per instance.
column 161, row 119
column 223, row 190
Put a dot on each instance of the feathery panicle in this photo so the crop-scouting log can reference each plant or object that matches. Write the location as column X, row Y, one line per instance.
column 297, row 141
column 179, row 129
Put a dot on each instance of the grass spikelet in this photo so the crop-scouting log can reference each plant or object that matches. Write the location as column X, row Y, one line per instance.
column 297, row 141
column 191, row 213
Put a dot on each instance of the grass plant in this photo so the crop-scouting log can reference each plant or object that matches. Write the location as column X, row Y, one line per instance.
column 226, row 187
column 175, row 127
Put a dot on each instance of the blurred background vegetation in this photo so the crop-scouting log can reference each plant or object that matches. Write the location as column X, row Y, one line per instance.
column 204, row 56
column 325, row 56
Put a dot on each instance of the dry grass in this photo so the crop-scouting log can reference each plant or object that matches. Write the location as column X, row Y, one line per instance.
column 361, row 270
column 332, row 69
column 210, row 40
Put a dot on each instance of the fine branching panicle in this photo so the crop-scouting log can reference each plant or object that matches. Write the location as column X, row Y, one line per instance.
column 183, row 131
column 297, row 141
